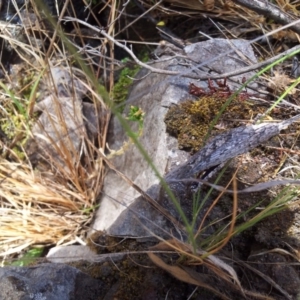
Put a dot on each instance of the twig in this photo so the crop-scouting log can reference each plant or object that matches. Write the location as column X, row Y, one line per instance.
column 123, row 46
column 120, row 14
column 269, row 10
column 255, row 188
column 189, row 75
column 228, row 145
column 255, row 66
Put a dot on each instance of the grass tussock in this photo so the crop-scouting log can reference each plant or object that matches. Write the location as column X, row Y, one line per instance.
column 50, row 173
column 37, row 210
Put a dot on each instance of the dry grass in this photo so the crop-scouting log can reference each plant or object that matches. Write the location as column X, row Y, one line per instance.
column 243, row 20
column 52, row 203
column 38, row 210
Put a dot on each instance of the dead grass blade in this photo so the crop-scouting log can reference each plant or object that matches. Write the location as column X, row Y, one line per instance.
column 267, row 279
column 269, row 10
column 222, row 270
column 53, row 205
column 183, row 275
column 37, row 210
column 212, row 262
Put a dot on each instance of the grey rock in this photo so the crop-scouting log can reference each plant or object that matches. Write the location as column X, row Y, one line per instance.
column 154, row 94
column 222, row 56
column 117, row 193
column 71, row 253
column 65, row 123
column 47, row 282
column 143, row 217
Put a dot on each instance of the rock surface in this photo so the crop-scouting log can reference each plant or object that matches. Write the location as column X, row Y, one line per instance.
column 141, row 219
column 154, row 97
column 66, row 121
column 70, row 253
column 47, row 282
column 154, row 94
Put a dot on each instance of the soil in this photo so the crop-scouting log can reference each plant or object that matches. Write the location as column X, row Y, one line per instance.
column 269, row 245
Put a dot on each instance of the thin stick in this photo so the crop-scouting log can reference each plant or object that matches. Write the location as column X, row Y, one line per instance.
column 269, row 10
column 189, row 75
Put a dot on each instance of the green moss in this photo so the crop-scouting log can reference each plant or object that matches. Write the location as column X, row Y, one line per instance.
column 121, row 87
column 120, row 90
column 190, row 120
column 15, row 121
column 29, row 257
column 27, row 83
column 20, row 154
column 12, row 125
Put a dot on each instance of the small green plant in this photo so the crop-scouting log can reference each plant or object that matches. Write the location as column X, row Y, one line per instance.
column 19, row 106
column 136, row 114
column 29, row 257
column 121, row 87
column 120, row 90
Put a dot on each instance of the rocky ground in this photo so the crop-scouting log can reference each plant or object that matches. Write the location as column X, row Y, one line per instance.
column 244, row 245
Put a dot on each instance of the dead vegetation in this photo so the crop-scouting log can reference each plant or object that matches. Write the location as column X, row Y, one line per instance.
column 53, row 121
column 51, row 173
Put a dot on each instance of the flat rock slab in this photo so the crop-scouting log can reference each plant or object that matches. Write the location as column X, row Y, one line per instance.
column 70, row 253
column 65, row 123
column 154, row 94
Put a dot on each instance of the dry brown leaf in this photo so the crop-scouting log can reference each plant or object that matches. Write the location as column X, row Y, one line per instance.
column 182, row 275
column 171, row 245
column 279, row 82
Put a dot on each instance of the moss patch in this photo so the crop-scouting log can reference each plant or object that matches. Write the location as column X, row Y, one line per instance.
column 121, row 87
column 191, row 120
column 120, row 90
